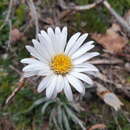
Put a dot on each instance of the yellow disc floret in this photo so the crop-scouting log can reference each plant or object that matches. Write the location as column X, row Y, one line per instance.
column 61, row 64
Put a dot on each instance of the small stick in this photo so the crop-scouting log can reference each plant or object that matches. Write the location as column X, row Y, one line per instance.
column 119, row 19
column 78, row 8
column 20, row 73
column 15, row 69
column 8, row 14
column 116, row 120
column 89, row 6
column 20, row 85
column 104, row 61
column 34, row 15
column 10, row 29
column 125, row 90
column 9, row 22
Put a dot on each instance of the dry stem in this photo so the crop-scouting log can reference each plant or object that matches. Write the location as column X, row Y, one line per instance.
column 20, row 85
column 34, row 15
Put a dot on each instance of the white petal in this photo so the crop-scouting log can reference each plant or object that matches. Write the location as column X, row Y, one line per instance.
column 64, row 38
column 48, row 43
column 67, row 90
column 54, row 93
column 35, row 67
column 76, row 83
column 50, row 32
column 31, row 70
column 86, row 67
column 71, row 42
column 30, row 61
column 59, row 40
column 93, row 73
column 44, row 47
column 84, row 70
column 89, row 43
column 51, row 87
column 82, row 77
column 85, row 57
column 82, row 50
column 57, row 30
column 41, row 50
column 44, row 83
column 52, row 37
column 29, row 74
column 34, row 53
column 78, row 43
column 56, row 38
column 45, row 72
column 60, row 83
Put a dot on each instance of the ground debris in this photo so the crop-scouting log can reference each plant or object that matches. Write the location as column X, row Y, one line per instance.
column 6, row 124
column 97, row 126
column 16, row 35
column 112, row 40
column 127, row 16
column 108, row 97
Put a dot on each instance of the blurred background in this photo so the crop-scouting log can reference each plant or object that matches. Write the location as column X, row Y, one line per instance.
column 21, row 21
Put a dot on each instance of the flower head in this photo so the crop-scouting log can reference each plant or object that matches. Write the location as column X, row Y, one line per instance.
column 62, row 63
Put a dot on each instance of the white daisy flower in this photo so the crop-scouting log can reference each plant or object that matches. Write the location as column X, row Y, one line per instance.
column 62, row 63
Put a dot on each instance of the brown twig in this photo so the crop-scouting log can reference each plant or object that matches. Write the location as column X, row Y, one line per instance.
column 20, row 85
column 104, row 61
column 20, row 73
column 15, row 69
column 78, row 8
column 97, row 126
column 88, row 6
column 124, row 90
column 34, row 14
column 8, row 14
column 9, row 10
column 10, row 29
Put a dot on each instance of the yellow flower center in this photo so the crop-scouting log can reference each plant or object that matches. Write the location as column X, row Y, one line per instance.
column 61, row 64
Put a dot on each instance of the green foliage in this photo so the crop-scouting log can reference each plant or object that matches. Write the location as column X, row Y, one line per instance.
column 120, row 121
column 4, row 29
column 4, row 34
column 83, row 2
column 121, row 6
column 92, row 20
column 59, row 112
column 3, row 7
column 20, row 14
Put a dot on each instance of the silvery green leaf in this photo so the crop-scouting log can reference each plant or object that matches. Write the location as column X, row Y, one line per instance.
column 51, row 116
column 66, row 122
column 37, row 103
column 46, row 105
column 74, row 117
column 60, row 116
column 75, row 107
column 56, row 124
